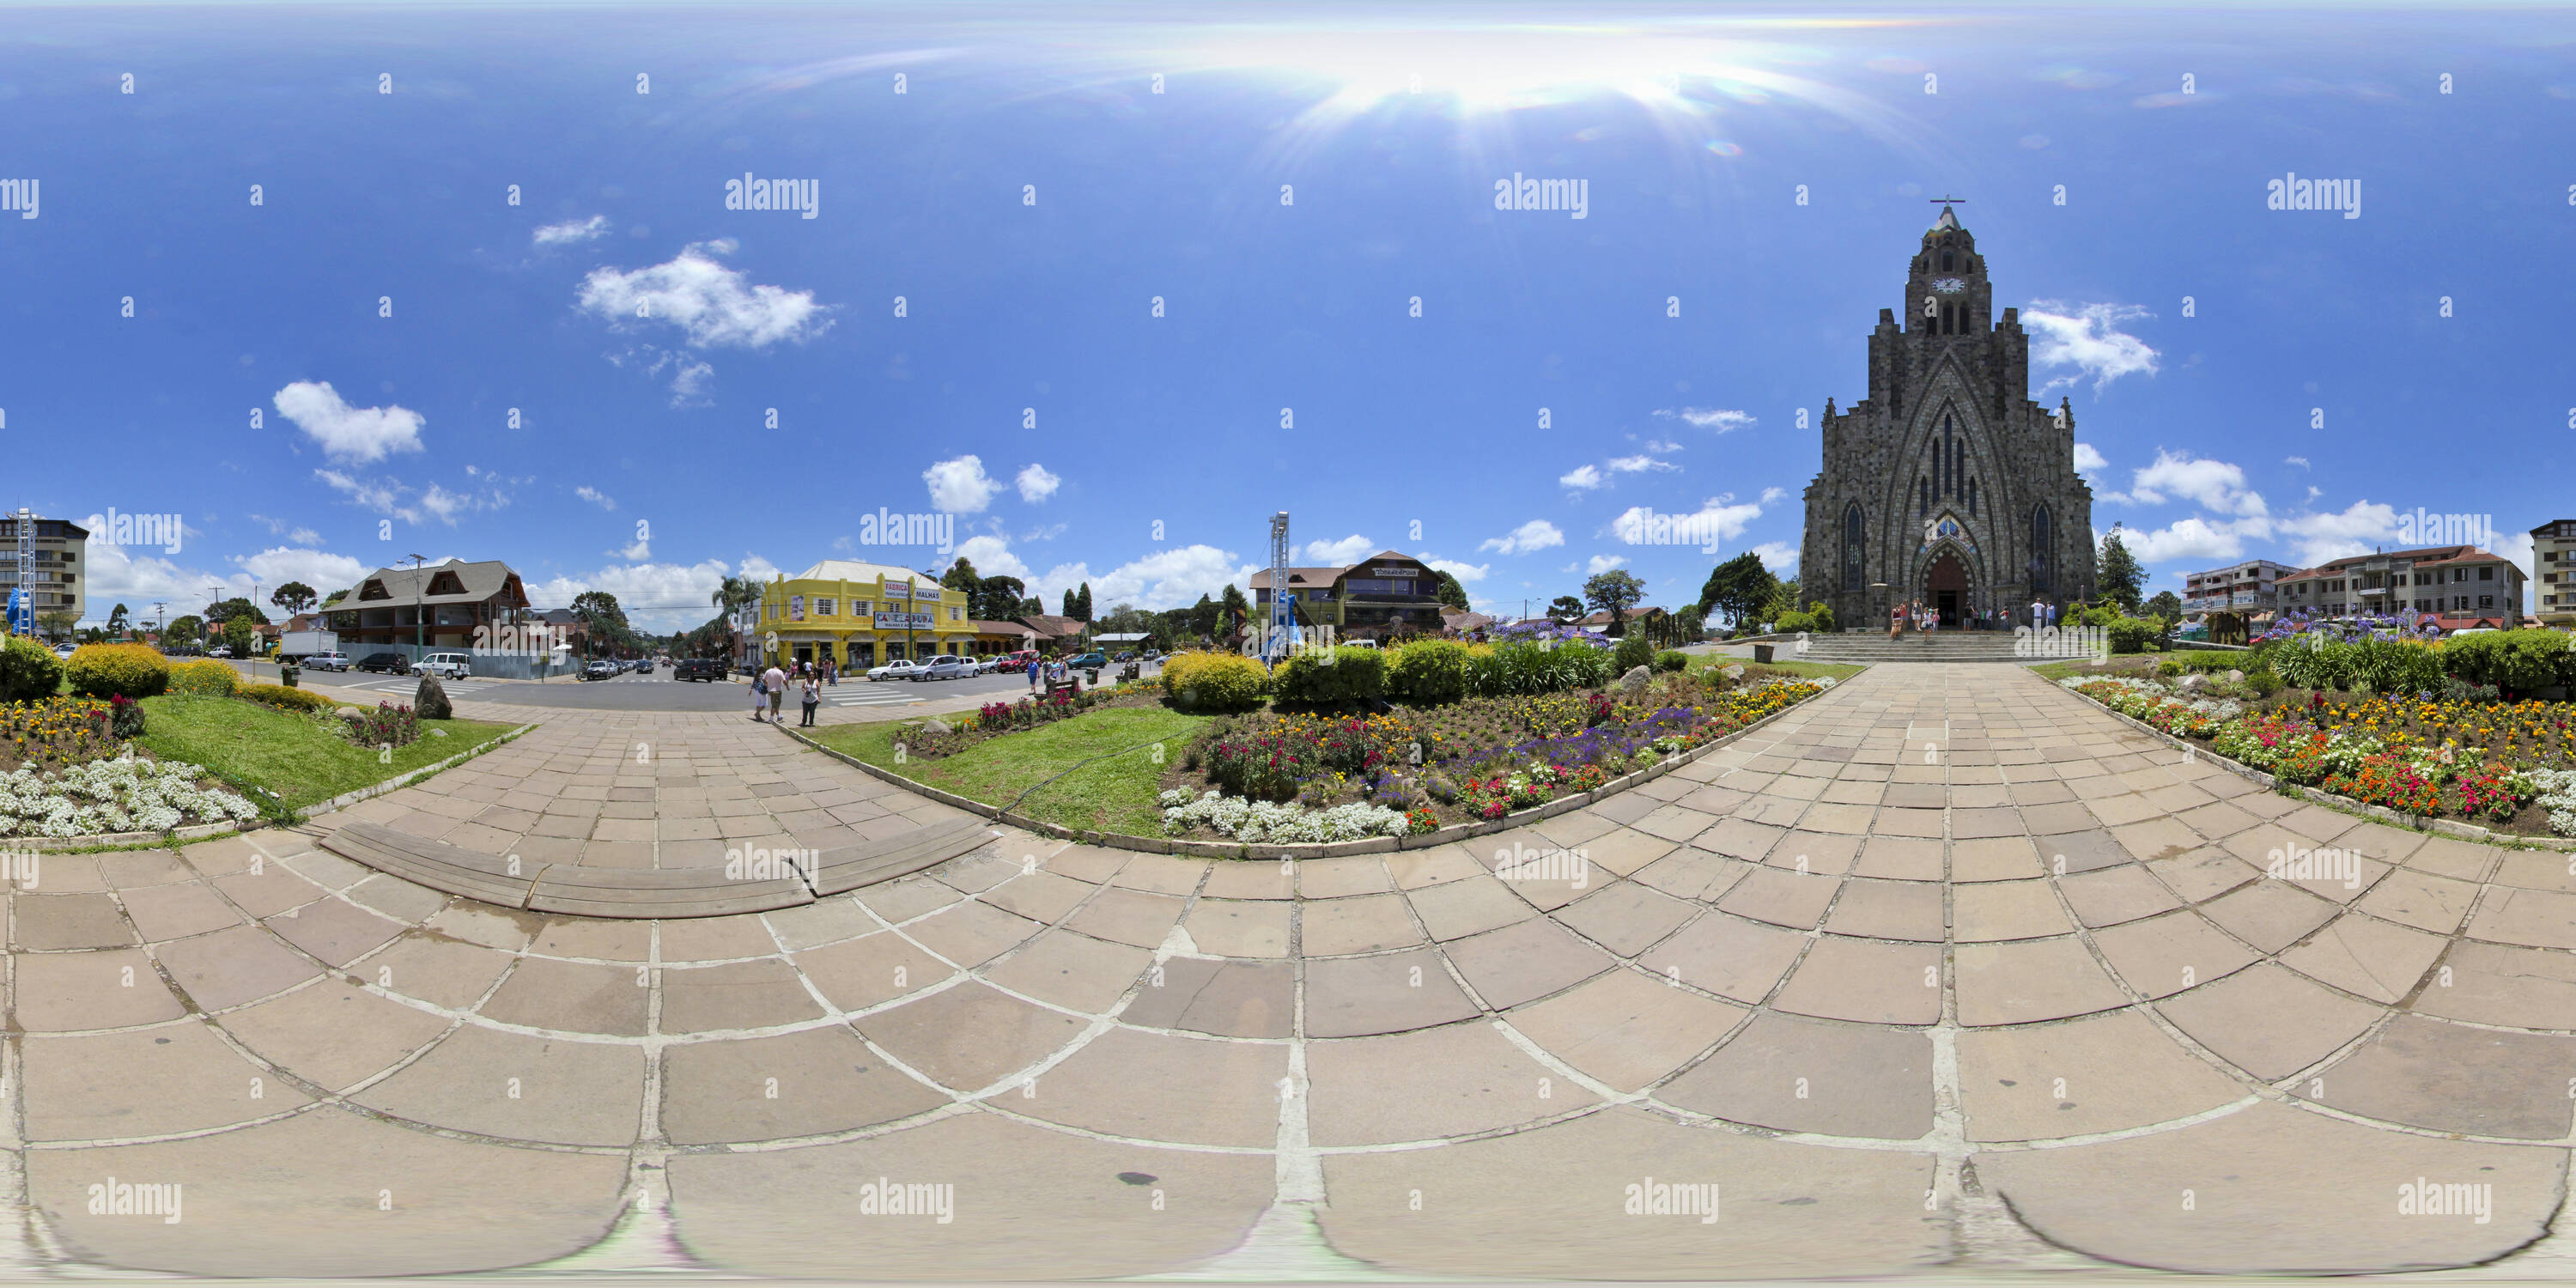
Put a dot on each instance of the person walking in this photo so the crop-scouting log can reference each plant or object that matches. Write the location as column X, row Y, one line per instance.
column 759, row 696
column 777, row 681
column 813, row 696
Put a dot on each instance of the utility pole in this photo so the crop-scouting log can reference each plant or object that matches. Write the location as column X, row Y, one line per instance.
column 416, row 584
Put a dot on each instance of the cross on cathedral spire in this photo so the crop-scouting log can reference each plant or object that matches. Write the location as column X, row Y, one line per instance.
column 1949, row 218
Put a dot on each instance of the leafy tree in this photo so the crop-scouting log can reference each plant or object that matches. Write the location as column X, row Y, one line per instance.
column 2166, row 605
column 1738, row 588
column 961, row 577
column 117, row 624
column 237, row 606
column 1689, row 626
column 2121, row 578
column 998, row 599
column 183, row 632
column 1235, row 608
column 1614, row 592
column 239, row 633
column 1203, row 618
column 294, row 597
column 57, row 624
column 1565, row 610
column 1031, row 607
column 735, row 596
column 1451, row 593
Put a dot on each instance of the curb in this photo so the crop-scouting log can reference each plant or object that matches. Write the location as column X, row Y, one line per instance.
column 2449, row 827
column 127, row 840
column 406, row 779
column 1302, row 849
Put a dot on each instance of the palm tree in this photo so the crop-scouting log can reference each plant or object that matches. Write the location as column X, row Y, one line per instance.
column 735, row 594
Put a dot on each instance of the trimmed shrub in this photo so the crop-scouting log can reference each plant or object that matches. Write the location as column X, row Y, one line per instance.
column 206, row 679
column 29, row 672
column 1213, row 681
column 110, row 670
column 2131, row 634
column 1823, row 615
column 283, row 698
column 2516, row 661
column 2397, row 666
column 1523, row 668
column 1671, row 659
column 1325, row 676
column 1428, row 672
column 1631, row 652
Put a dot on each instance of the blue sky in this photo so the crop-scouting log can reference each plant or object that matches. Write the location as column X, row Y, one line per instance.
column 1029, row 196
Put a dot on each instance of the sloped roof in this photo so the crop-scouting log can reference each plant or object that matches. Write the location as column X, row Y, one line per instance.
column 861, row 570
column 482, row 580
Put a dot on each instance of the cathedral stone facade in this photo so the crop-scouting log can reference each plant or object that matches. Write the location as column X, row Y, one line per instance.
column 1947, row 484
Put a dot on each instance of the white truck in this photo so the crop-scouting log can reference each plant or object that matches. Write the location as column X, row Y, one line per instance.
column 301, row 644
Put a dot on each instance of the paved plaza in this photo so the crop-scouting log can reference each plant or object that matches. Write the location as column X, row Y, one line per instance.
column 1945, row 970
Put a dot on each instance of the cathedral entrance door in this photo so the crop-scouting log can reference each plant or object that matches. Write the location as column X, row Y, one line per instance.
column 1945, row 587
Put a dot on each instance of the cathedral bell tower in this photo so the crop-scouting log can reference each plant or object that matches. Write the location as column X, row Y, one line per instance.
column 1946, row 290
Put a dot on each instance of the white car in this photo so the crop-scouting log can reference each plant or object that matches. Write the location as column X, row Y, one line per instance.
column 446, row 666
column 894, row 671
column 220, row 650
column 327, row 662
column 62, row 650
column 946, row 666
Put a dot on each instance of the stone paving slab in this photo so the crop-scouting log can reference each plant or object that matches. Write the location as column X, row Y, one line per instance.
column 1853, row 992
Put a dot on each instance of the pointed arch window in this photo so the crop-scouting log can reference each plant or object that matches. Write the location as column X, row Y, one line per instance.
column 1922, row 498
column 2043, row 550
column 1945, row 261
column 1972, row 496
column 1854, row 539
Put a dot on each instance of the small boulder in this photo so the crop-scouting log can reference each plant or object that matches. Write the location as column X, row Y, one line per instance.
column 2194, row 682
column 1735, row 672
column 350, row 713
column 1634, row 680
column 937, row 725
column 429, row 701
column 2236, row 677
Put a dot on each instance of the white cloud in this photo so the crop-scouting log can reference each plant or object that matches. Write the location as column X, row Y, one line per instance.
column 1771, row 494
column 1350, row 549
column 138, row 576
column 2322, row 537
column 1603, row 563
column 1036, row 483
column 2088, row 460
column 323, row 571
column 992, row 557
column 655, row 596
column 595, row 497
column 1710, row 418
column 1584, row 478
column 2088, row 338
column 1467, row 574
column 637, row 553
column 1662, row 445
column 1537, row 534
column 714, row 306
column 350, row 435
column 1715, row 516
column 1639, row 464
column 2300, row 461
column 960, row 486
column 381, row 497
column 1776, row 555
column 2194, row 538
column 1173, row 578
column 573, row 231
column 2212, row 485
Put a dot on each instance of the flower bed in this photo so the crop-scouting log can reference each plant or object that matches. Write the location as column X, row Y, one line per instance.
column 113, row 796
column 948, row 735
column 2509, row 766
column 54, row 733
column 1415, row 769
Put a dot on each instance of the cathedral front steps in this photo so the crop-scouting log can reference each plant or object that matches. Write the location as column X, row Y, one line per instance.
column 1940, row 646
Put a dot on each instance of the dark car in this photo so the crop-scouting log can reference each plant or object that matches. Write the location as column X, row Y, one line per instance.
column 1087, row 662
column 390, row 662
column 698, row 668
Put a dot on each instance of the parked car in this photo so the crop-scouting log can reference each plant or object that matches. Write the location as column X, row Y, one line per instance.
column 446, row 666
column 388, row 661
column 897, row 670
column 1153, row 655
column 599, row 669
column 62, row 650
column 220, row 650
column 1127, row 655
column 1087, row 662
column 946, row 666
column 698, row 668
column 327, row 662
column 992, row 665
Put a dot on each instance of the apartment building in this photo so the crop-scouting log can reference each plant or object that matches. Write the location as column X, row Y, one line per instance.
column 2454, row 587
column 58, row 553
column 2250, row 587
column 2553, row 557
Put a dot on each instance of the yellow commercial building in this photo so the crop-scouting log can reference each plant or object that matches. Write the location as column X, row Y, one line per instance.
column 861, row 615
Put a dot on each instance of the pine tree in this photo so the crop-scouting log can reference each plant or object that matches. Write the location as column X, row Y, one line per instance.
column 1068, row 605
column 1082, row 603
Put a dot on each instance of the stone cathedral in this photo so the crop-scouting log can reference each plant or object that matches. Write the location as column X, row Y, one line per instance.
column 1947, row 484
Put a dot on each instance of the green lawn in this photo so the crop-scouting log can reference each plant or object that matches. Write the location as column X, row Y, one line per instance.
column 1811, row 670
column 302, row 762
column 1111, row 795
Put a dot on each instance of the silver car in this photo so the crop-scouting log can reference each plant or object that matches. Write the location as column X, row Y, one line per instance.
column 946, row 666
